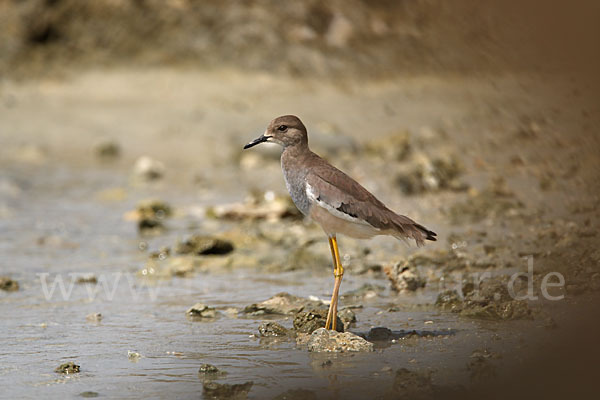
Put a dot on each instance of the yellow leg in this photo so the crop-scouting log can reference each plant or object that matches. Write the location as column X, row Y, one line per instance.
column 338, row 273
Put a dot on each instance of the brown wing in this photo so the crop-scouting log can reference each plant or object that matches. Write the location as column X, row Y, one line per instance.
column 343, row 193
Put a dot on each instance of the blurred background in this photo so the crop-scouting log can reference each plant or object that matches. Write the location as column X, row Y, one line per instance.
column 308, row 38
column 122, row 124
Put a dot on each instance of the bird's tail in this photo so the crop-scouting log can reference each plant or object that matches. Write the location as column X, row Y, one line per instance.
column 409, row 229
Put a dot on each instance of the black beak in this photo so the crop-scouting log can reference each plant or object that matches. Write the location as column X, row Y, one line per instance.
column 258, row 140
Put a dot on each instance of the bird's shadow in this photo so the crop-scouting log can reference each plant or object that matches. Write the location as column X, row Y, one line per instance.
column 382, row 337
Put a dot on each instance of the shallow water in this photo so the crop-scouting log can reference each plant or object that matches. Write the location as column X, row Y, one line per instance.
column 58, row 228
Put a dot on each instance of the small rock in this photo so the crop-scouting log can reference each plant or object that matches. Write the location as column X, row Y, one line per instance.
column 150, row 215
column 67, row 368
column 148, row 169
column 308, row 322
column 147, row 225
column 94, row 317
column 133, row 356
column 282, row 303
column 89, row 394
column 449, row 300
column 272, row 329
column 323, row 340
column 201, row 311
column 432, row 175
column 347, row 316
column 404, row 277
column 204, row 245
column 182, row 266
column 153, row 208
column 380, row 334
column 208, row 369
column 501, row 311
column 107, row 150
column 88, row 278
column 493, row 301
column 8, row 284
column 225, row 391
column 265, row 205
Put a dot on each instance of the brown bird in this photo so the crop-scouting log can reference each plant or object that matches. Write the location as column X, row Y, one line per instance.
column 332, row 199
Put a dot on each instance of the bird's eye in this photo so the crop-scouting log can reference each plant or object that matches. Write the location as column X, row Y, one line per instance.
column 282, row 128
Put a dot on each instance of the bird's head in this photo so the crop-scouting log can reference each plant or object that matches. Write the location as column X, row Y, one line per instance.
column 286, row 131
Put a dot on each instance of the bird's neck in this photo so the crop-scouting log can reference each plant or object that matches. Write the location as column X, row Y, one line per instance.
column 296, row 150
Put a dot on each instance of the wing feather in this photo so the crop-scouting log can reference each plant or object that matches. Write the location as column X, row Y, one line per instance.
column 342, row 193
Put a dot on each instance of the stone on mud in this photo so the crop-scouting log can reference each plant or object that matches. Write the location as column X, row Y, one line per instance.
column 449, row 300
column 490, row 300
column 404, row 277
column 267, row 205
column 148, row 169
column 323, row 340
column 208, row 369
column 150, row 215
column 380, row 334
column 431, row 175
column 87, row 278
column 308, row 322
column 8, row 284
column 154, row 208
column 204, row 245
column 133, row 356
column 282, row 303
column 273, row 329
column 94, row 317
column 214, row 390
column 201, row 311
column 446, row 260
column 67, row 368
column 499, row 311
column 347, row 316
column 182, row 266
column 107, row 150
column 88, row 394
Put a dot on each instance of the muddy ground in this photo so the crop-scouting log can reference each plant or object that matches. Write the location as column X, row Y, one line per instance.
column 526, row 186
column 129, row 185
